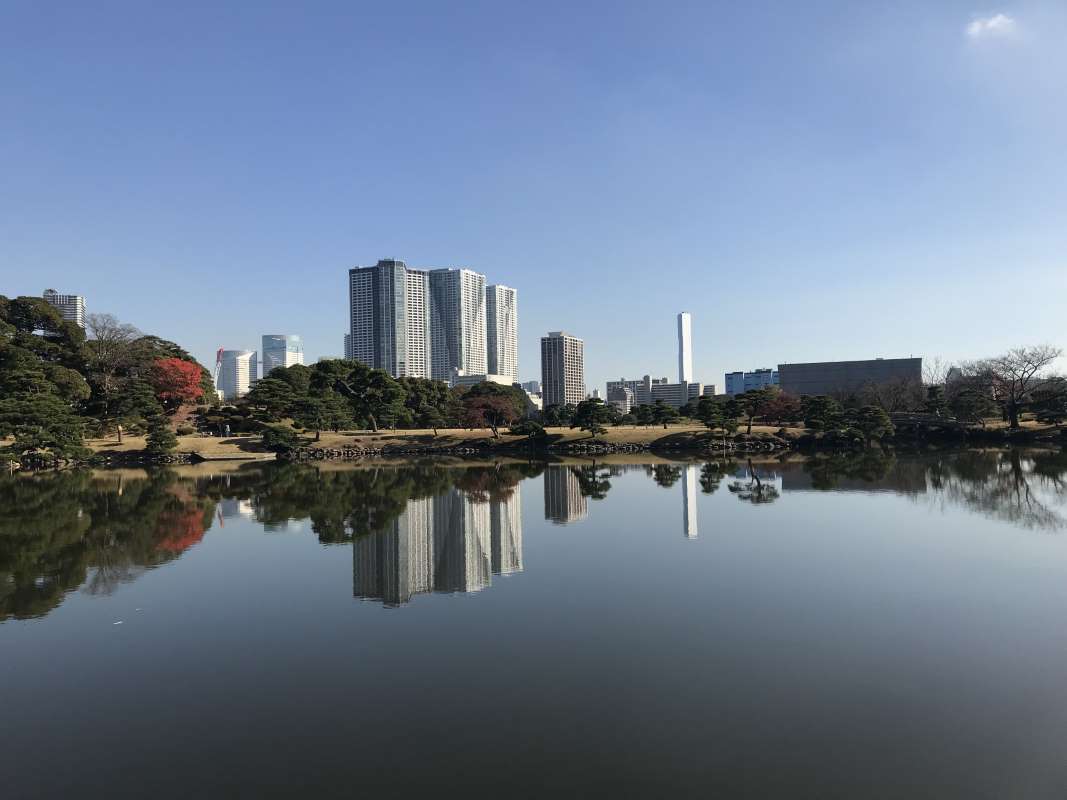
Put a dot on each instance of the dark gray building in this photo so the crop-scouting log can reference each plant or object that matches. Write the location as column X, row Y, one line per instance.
column 832, row 377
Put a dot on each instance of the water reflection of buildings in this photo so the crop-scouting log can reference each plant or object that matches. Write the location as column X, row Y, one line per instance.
column 564, row 501
column 689, row 501
column 233, row 507
column 447, row 543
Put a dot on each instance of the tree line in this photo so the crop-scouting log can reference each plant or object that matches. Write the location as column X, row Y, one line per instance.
column 58, row 386
column 340, row 394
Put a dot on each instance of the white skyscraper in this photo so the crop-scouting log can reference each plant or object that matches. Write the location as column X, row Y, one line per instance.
column 236, row 372
column 281, row 350
column 457, row 323
column 685, row 347
column 502, row 331
column 71, row 306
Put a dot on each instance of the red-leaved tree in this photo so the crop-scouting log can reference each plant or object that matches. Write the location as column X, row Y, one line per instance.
column 176, row 381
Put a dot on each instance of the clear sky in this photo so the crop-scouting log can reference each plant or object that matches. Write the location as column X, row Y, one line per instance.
column 811, row 180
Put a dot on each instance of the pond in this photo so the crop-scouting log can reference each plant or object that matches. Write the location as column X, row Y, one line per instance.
column 841, row 626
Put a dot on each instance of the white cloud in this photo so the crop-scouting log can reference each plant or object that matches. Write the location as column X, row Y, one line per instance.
column 995, row 26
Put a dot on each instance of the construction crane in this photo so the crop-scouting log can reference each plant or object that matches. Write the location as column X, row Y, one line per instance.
column 218, row 366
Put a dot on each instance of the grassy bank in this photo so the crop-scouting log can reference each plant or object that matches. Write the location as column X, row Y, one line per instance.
column 681, row 436
column 247, row 447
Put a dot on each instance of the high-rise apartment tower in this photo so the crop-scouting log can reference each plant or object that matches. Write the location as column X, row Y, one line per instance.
column 389, row 318
column 457, row 322
column 562, row 369
column 502, row 331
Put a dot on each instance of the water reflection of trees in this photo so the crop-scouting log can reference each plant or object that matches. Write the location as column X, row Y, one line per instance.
column 1027, row 489
column 828, row 470
column 753, row 489
column 63, row 530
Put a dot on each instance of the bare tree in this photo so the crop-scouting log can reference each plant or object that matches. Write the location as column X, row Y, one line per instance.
column 1016, row 375
column 110, row 350
column 935, row 371
column 895, row 395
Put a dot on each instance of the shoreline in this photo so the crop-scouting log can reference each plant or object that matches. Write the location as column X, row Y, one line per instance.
column 466, row 444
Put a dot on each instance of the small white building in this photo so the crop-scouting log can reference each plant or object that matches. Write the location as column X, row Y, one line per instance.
column 71, row 306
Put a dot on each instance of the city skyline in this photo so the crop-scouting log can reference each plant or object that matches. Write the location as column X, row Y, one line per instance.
column 782, row 170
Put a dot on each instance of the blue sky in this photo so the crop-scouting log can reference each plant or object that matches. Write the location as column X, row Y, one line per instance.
column 812, row 181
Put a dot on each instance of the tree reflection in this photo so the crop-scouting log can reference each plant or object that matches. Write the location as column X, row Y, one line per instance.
column 828, row 470
column 712, row 474
column 752, row 489
column 593, row 481
column 63, row 530
column 1013, row 486
column 665, row 475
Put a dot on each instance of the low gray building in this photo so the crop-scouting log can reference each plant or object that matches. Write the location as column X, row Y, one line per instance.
column 835, row 377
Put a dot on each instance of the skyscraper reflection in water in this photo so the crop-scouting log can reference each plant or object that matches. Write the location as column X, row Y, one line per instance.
column 448, row 543
column 564, row 501
column 689, row 502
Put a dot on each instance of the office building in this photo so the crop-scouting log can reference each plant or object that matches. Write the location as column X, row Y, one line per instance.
column 348, row 347
column 562, row 369
column 678, row 394
column 389, row 318
column 741, row 382
column 641, row 388
column 647, row 391
column 533, row 387
column 236, row 373
column 564, row 501
column 71, row 306
column 622, row 398
column 457, row 322
column 847, row 377
column 502, row 331
column 281, row 350
column 685, row 347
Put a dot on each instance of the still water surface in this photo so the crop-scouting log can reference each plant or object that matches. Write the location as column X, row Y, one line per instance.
column 869, row 627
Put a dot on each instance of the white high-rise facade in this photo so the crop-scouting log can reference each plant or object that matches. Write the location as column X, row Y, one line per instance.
column 457, row 322
column 71, row 306
column 562, row 369
column 281, row 350
column 502, row 331
column 236, row 373
column 685, row 347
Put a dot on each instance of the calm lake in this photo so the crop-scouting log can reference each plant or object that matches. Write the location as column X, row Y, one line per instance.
column 839, row 627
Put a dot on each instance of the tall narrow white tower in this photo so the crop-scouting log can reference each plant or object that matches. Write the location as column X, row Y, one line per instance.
column 685, row 347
